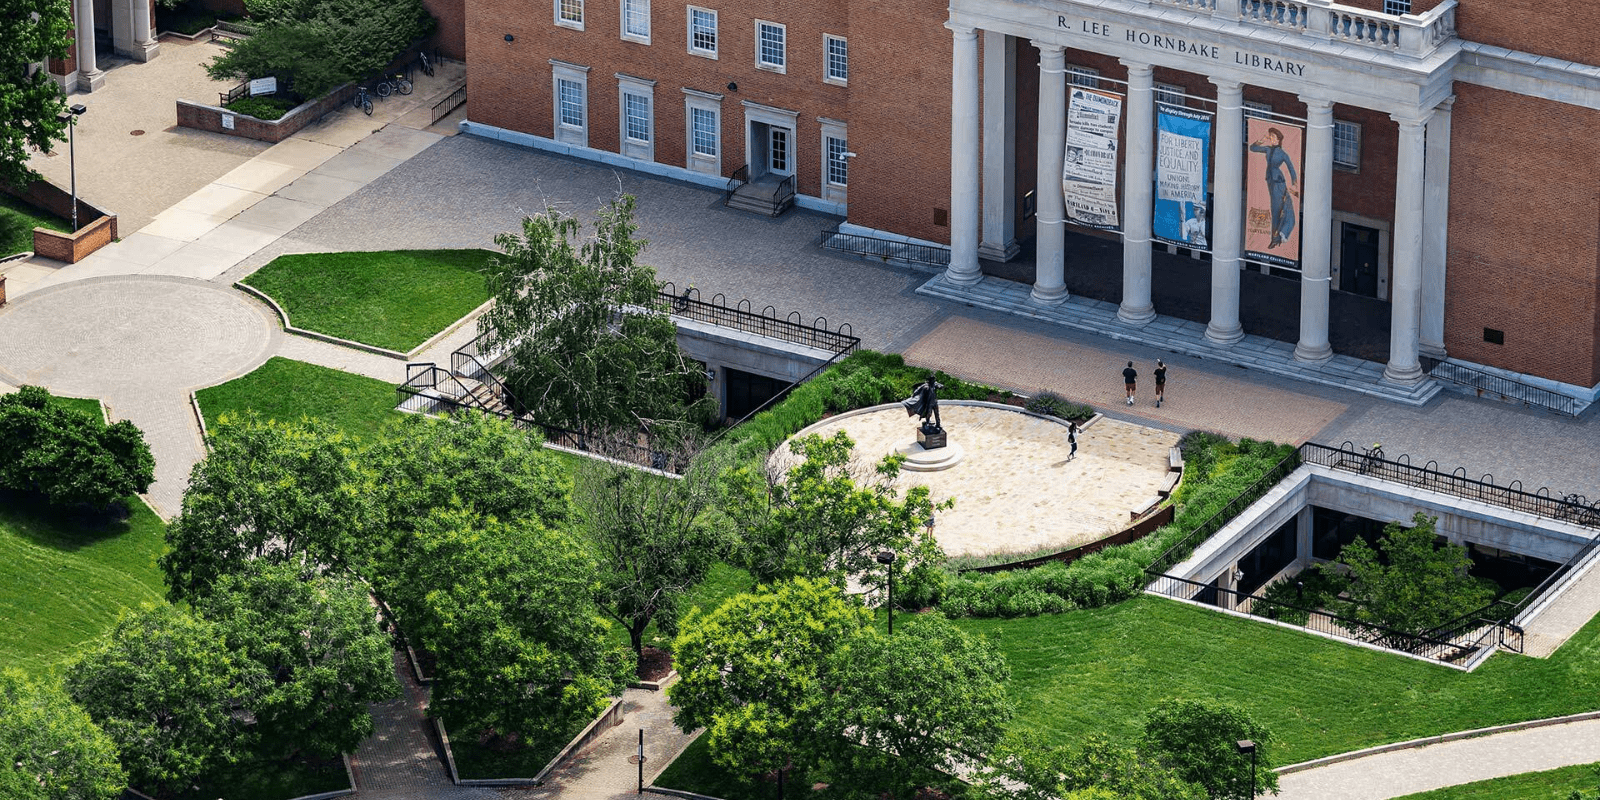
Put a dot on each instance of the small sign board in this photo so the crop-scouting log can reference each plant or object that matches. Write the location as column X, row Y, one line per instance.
column 261, row 86
column 227, row 122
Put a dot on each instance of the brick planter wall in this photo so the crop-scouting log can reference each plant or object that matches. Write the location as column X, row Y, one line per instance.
column 209, row 118
column 73, row 247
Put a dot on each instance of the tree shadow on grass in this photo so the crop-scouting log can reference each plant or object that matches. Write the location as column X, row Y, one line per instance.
column 31, row 517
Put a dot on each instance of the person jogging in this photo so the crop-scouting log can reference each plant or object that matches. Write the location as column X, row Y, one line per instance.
column 1072, row 439
column 1161, row 381
column 1130, row 379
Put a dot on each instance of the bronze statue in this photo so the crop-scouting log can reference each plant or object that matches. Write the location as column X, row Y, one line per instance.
column 924, row 402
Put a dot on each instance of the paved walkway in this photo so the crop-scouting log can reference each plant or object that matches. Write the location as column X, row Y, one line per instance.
column 605, row 770
column 1404, row 772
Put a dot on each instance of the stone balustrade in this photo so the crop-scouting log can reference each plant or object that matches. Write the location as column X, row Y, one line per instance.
column 1416, row 35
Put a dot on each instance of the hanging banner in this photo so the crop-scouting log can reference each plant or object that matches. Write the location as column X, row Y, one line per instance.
column 1183, row 153
column 1089, row 176
column 1272, row 191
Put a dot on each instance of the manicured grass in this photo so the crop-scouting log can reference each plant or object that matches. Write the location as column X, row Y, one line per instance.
column 253, row 779
column 88, row 406
column 67, row 577
column 288, row 390
column 1555, row 784
column 1101, row 670
column 17, row 221
column 474, row 760
column 693, row 771
column 396, row 299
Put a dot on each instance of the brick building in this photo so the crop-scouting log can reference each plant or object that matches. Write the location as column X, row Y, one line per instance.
column 1434, row 157
column 127, row 26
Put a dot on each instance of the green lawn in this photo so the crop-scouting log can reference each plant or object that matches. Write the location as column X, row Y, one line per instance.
column 1555, row 784
column 17, row 221
column 67, row 578
column 287, row 390
column 88, row 406
column 396, row 299
column 255, row 779
column 1101, row 670
column 475, row 760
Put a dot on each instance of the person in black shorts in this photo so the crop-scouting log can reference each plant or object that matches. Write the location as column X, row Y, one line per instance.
column 1130, row 377
column 1161, row 381
column 1072, row 439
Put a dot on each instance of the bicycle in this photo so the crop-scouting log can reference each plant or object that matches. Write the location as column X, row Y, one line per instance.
column 424, row 64
column 391, row 84
column 362, row 100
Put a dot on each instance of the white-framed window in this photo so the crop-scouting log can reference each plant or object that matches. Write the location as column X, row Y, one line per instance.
column 1169, row 93
column 836, row 52
column 772, row 51
column 1347, row 145
column 636, row 20
column 703, row 124
column 569, row 13
column 570, row 88
column 838, row 167
column 835, row 162
column 636, row 117
column 702, row 31
column 1083, row 76
column 1259, row 110
column 1397, row 7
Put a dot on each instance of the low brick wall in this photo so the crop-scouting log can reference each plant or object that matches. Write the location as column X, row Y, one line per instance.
column 209, row 118
column 73, row 247
column 45, row 195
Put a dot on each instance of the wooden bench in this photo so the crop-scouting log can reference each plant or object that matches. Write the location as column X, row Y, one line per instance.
column 1170, row 484
column 227, row 38
column 1174, row 459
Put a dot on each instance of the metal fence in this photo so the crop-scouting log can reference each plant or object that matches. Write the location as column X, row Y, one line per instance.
column 1487, row 383
column 885, row 249
column 450, row 103
column 1178, row 552
column 741, row 316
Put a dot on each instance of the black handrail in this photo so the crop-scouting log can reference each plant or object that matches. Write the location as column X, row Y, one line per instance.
column 1484, row 382
column 785, row 196
column 740, row 177
column 886, row 249
column 818, row 334
column 1181, row 550
column 450, row 103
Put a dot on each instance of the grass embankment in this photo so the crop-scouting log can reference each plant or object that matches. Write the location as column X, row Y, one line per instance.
column 17, row 221
column 394, row 299
column 1555, row 784
column 287, row 390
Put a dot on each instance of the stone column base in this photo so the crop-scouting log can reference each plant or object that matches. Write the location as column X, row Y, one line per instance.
column 995, row 252
column 91, row 81
column 140, row 51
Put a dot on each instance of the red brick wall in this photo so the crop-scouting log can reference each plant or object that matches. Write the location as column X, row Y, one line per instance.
column 209, row 118
column 71, row 248
column 1561, row 31
column 1524, row 236
column 451, row 37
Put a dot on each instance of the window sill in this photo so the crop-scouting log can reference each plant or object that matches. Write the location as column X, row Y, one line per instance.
column 576, row 26
column 636, row 39
column 711, row 54
column 772, row 68
column 836, row 82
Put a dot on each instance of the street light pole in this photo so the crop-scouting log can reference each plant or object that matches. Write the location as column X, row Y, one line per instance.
column 72, row 156
column 886, row 558
column 1247, row 746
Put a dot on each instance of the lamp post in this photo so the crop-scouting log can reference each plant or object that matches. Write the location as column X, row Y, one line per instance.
column 1248, row 747
column 71, row 118
column 886, row 558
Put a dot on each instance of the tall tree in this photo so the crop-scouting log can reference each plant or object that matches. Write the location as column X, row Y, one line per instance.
column 820, row 514
column 31, row 104
column 1198, row 740
column 161, row 686
column 1026, row 767
column 272, row 492
column 655, row 537
column 49, row 747
column 1410, row 583
column 753, row 673
column 70, row 457
column 928, row 697
column 312, row 654
column 589, row 346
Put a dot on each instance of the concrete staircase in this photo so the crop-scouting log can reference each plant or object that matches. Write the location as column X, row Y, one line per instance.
column 770, row 195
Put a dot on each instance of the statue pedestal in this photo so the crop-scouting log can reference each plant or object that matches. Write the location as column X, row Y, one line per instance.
column 932, row 438
column 922, row 459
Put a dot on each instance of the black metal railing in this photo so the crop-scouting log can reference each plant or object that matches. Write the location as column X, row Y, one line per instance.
column 784, row 196
column 1452, row 646
column 450, row 103
column 740, row 177
column 233, row 94
column 741, row 316
column 1528, row 395
column 1181, row 550
column 1574, row 508
column 886, row 249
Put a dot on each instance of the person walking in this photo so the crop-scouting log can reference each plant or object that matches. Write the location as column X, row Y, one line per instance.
column 1130, row 379
column 1161, row 381
column 1072, row 439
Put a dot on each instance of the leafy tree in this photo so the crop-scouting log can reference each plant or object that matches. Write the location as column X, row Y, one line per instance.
column 928, row 697
column 49, row 747
column 1198, row 740
column 589, row 348
column 31, row 104
column 269, row 492
column 1026, row 767
column 316, row 46
column 68, row 456
column 822, row 516
column 753, row 673
column 312, row 653
column 1409, row 583
column 655, row 537
column 508, row 610
column 160, row 686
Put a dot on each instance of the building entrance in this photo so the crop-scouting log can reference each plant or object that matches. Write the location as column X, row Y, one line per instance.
column 1358, row 260
column 771, row 150
column 747, row 391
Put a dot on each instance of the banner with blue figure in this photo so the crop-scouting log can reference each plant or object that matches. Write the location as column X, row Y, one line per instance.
column 1183, row 161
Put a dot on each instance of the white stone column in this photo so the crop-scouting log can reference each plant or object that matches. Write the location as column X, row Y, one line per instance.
column 1050, row 227
column 1316, row 232
column 130, row 29
column 965, row 156
column 1138, row 168
column 999, row 242
column 145, row 46
column 1405, row 283
column 1436, row 229
column 90, row 77
column 1227, row 215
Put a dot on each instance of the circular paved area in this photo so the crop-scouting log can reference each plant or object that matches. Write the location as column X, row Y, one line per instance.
column 1015, row 490
column 101, row 338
